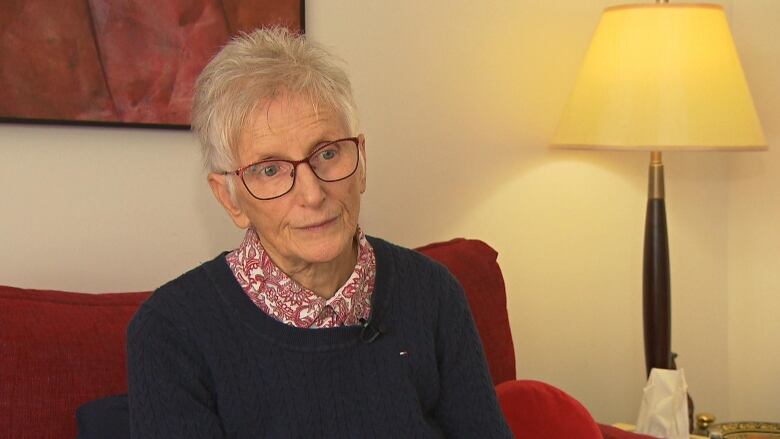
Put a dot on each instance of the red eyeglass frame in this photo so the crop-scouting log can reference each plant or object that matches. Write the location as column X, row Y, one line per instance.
column 240, row 171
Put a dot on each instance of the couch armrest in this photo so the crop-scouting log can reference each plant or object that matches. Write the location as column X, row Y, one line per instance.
column 610, row 432
column 536, row 409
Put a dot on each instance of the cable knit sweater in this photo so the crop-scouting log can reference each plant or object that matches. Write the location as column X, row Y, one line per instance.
column 205, row 362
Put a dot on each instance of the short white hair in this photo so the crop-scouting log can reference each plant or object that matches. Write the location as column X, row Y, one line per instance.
column 253, row 69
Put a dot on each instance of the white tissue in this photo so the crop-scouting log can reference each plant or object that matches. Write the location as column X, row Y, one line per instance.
column 664, row 409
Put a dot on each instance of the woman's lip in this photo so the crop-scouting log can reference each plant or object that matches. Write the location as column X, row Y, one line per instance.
column 319, row 225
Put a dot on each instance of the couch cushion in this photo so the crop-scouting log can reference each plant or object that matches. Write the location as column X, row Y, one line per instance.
column 59, row 350
column 475, row 265
column 104, row 418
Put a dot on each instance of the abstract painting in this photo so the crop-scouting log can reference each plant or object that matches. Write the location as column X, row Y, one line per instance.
column 118, row 62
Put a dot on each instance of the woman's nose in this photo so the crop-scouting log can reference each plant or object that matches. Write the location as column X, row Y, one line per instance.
column 308, row 185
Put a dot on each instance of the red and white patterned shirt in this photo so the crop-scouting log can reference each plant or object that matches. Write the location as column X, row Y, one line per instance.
column 282, row 298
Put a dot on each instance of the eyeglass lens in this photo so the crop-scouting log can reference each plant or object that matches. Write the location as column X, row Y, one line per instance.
column 273, row 178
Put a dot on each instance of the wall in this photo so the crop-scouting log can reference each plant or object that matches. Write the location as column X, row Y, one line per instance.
column 458, row 102
column 103, row 209
column 753, row 239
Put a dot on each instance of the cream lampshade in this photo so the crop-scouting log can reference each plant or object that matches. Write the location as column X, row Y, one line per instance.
column 660, row 77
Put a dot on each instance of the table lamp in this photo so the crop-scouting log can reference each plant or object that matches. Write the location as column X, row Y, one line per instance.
column 660, row 77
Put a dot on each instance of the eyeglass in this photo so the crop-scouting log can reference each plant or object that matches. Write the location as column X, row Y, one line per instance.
column 269, row 179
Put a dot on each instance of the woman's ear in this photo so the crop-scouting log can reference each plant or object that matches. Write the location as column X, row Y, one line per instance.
column 219, row 186
column 362, row 146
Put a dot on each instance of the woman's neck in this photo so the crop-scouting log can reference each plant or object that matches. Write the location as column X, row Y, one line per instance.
column 324, row 279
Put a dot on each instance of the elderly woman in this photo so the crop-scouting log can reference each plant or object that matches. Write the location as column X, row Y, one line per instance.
column 310, row 328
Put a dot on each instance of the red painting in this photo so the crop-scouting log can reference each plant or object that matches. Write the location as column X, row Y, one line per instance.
column 118, row 61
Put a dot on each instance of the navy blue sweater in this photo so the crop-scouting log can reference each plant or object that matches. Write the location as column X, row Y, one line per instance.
column 205, row 362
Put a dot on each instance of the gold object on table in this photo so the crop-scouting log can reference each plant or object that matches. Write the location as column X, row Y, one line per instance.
column 745, row 430
column 703, row 422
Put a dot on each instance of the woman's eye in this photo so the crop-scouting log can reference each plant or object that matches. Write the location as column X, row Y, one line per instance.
column 328, row 154
column 270, row 171
column 263, row 170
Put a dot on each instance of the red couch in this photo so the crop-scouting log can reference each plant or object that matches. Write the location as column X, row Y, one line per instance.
column 59, row 350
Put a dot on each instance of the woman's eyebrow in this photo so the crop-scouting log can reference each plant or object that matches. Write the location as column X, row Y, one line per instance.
column 323, row 140
column 263, row 156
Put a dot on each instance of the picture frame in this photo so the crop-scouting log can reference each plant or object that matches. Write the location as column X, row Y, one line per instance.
column 126, row 63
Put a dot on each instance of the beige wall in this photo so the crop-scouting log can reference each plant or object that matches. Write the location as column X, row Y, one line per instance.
column 753, row 239
column 458, row 100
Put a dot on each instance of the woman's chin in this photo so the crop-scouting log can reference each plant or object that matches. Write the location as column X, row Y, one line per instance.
column 325, row 252
column 323, row 248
